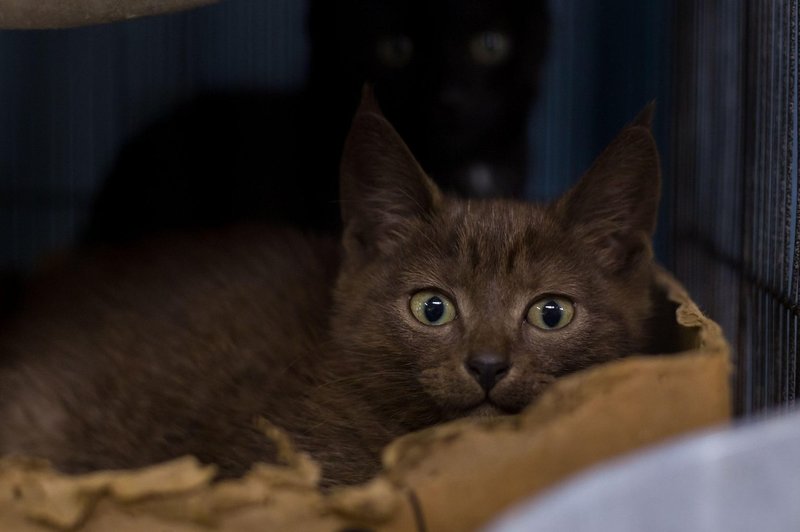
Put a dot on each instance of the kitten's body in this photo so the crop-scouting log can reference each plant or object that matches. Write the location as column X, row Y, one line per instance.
column 130, row 357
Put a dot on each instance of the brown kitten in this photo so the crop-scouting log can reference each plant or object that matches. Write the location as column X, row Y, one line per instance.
column 431, row 308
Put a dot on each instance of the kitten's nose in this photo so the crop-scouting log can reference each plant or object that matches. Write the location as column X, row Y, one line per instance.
column 487, row 369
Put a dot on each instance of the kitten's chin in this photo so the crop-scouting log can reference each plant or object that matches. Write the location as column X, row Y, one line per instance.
column 486, row 409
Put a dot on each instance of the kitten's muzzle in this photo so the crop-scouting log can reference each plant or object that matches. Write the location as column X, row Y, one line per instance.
column 487, row 368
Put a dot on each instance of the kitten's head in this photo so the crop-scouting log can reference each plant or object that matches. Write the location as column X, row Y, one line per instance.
column 455, row 77
column 472, row 307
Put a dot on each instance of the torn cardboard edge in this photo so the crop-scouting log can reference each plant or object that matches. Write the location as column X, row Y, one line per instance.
column 456, row 476
column 52, row 14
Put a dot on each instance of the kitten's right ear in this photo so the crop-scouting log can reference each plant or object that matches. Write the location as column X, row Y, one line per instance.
column 383, row 188
column 645, row 117
column 615, row 204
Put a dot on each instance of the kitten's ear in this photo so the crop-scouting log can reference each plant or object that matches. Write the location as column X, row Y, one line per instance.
column 615, row 205
column 383, row 189
column 645, row 117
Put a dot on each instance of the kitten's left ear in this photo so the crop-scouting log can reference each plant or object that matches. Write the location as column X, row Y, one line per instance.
column 383, row 189
column 615, row 205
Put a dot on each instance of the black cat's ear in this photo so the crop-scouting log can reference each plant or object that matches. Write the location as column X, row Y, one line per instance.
column 383, row 189
column 615, row 205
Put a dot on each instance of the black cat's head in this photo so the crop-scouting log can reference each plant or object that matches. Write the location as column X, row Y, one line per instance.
column 473, row 307
column 455, row 77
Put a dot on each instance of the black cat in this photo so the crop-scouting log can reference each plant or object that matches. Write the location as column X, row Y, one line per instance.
column 456, row 77
column 469, row 70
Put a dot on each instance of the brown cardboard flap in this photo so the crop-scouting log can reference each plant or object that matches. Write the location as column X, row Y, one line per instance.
column 451, row 477
column 43, row 14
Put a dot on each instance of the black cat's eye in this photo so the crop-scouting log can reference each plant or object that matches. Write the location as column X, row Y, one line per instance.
column 490, row 47
column 432, row 308
column 551, row 313
column 394, row 51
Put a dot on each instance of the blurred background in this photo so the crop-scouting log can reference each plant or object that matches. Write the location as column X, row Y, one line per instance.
column 724, row 75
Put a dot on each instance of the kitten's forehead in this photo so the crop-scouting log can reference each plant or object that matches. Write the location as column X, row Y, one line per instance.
column 497, row 226
column 498, row 236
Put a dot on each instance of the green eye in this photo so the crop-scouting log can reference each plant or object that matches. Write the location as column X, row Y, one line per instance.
column 490, row 47
column 432, row 308
column 551, row 313
column 395, row 51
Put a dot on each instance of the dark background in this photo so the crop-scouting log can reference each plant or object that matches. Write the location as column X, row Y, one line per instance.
column 70, row 98
column 724, row 73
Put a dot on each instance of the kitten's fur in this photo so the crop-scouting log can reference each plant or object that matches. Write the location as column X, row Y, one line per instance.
column 131, row 357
